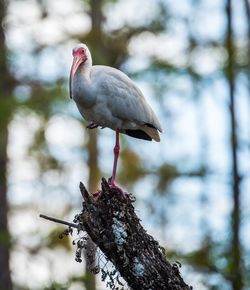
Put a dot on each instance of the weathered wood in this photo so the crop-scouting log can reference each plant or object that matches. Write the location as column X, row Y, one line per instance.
column 112, row 224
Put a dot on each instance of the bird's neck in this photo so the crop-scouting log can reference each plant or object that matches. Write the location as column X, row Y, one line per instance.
column 84, row 70
column 82, row 92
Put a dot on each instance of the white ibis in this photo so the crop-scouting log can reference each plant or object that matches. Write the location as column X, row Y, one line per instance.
column 107, row 97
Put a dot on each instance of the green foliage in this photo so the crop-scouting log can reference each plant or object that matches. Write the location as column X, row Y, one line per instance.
column 204, row 258
column 6, row 104
column 88, row 280
column 78, row 281
column 57, row 286
column 40, row 151
column 132, row 168
column 45, row 98
column 166, row 173
column 5, row 239
column 53, row 240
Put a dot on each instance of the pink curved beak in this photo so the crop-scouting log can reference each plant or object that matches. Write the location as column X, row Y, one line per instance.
column 77, row 60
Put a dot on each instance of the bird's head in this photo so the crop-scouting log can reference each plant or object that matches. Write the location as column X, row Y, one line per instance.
column 81, row 55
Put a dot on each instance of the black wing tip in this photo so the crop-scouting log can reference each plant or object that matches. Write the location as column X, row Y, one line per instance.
column 152, row 126
column 138, row 134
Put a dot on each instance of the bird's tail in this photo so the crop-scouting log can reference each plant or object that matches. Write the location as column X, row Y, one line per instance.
column 152, row 132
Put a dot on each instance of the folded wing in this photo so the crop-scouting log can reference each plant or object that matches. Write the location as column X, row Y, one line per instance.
column 125, row 101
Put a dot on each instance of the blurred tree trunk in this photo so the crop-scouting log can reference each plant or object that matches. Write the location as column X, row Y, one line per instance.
column 236, row 262
column 94, row 177
column 94, row 172
column 247, row 8
column 5, row 106
column 96, row 15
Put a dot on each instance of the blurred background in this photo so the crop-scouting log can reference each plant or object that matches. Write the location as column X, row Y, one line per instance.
column 191, row 59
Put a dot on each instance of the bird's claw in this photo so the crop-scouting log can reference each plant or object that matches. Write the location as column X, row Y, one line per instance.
column 92, row 125
column 114, row 186
column 97, row 194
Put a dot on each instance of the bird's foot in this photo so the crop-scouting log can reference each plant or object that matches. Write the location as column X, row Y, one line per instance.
column 97, row 194
column 92, row 125
column 114, row 186
column 125, row 195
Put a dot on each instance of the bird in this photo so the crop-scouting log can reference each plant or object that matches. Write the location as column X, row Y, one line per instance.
column 107, row 98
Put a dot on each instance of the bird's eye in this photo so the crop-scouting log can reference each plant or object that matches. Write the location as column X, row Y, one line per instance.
column 79, row 51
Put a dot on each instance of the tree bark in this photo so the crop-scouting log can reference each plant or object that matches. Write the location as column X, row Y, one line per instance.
column 111, row 222
column 236, row 263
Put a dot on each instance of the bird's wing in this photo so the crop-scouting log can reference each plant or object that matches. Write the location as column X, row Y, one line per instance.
column 123, row 98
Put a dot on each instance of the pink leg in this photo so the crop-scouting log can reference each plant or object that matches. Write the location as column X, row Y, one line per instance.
column 116, row 154
column 112, row 182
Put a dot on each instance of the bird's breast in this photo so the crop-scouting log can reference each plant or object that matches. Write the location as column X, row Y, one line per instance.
column 83, row 92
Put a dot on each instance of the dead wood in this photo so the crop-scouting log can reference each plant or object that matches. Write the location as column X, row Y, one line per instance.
column 112, row 224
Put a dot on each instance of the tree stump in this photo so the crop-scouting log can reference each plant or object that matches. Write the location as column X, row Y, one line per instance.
column 112, row 224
